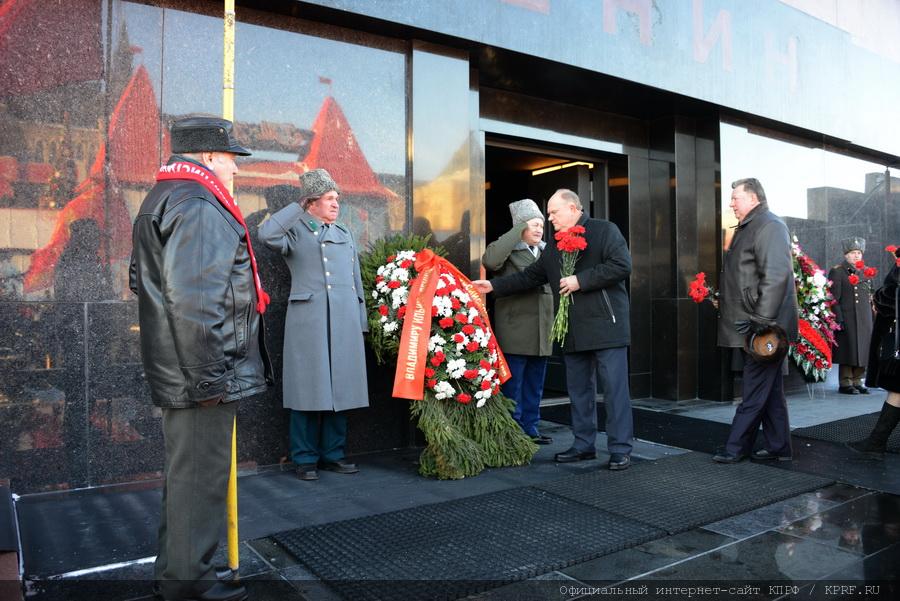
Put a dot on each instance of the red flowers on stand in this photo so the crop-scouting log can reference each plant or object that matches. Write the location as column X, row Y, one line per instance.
column 570, row 243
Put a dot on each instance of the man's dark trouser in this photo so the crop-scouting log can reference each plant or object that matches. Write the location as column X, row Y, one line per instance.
column 763, row 402
column 581, row 376
column 317, row 435
column 198, row 462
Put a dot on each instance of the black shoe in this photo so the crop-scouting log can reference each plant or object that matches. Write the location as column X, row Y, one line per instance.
column 724, row 456
column 848, row 390
column 340, row 466
column 865, row 447
column 862, row 389
column 573, row 455
column 221, row 591
column 223, row 574
column 307, row 471
column 619, row 461
column 541, row 439
column 765, row 455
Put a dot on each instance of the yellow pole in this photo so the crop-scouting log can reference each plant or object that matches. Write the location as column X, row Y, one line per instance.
column 228, row 113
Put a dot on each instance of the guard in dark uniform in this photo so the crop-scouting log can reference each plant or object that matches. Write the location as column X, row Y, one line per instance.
column 853, row 311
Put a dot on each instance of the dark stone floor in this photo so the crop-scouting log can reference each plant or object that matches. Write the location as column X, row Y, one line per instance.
column 846, row 534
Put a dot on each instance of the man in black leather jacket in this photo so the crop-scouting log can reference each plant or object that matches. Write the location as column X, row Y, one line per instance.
column 202, row 345
column 756, row 291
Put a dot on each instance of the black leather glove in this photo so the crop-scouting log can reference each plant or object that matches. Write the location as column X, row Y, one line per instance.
column 745, row 326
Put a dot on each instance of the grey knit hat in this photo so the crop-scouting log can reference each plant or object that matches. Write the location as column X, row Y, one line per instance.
column 855, row 243
column 523, row 210
column 315, row 183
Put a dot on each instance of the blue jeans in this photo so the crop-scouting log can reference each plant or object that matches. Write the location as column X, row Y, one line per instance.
column 526, row 387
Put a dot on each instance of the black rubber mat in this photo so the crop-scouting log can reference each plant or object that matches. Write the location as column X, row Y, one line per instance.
column 848, row 430
column 682, row 492
column 457, row 548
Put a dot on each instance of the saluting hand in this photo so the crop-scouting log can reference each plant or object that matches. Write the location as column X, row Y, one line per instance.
column 568, row 285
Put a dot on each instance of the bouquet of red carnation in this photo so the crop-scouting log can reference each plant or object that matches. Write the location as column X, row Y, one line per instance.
column 699, row 290
column 893, row 250
column 570, row 243
column 868, row 273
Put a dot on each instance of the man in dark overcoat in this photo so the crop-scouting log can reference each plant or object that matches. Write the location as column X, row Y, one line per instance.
column 522, row 322
column 853, row 311
column 757, row 291
column 202, row 345
column 324, row 359
column 599, row 328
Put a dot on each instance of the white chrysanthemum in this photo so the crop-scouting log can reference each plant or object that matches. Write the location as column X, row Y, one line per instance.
column 383, row 318
column 401, row 274
column 405, row 255
column 398, row 297
column 461, row 295
column 456, row 368
column 486, row 374
column 443, row 305
column 436, row 343
column 375, row 294
column 473, row 313
column 443, row 390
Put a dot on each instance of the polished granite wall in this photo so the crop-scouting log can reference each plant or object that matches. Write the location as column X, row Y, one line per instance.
column 73, row 403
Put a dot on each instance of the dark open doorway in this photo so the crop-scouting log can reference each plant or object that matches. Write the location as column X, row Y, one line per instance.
column 516, row 170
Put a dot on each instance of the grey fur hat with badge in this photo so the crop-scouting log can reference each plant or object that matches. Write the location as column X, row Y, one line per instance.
column 524, row 210
column 851, row 244
column 315, row 183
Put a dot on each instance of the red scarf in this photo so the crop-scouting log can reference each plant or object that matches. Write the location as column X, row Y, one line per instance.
column 184, row 170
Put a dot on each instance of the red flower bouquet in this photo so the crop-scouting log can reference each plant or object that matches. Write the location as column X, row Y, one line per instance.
column 892, row 248
column 699, row 290
column 570, row 243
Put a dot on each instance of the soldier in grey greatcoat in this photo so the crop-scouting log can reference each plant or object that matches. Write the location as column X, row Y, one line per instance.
column 522, row 321
column 324, row 360
column 853, row 310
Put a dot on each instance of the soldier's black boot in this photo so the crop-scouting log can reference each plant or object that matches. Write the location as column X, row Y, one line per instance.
column 876, row 444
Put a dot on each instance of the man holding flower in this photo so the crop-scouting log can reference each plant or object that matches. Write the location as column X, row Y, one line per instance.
column 596, row 331
column 757, row 294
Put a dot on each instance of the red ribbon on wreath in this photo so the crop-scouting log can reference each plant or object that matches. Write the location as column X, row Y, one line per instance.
column 409, row 379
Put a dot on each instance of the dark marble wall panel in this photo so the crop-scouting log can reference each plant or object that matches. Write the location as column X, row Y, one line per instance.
column 640, row 242
column 665, row 348
column 715, row 379
column 125, row 435
column 42, row 395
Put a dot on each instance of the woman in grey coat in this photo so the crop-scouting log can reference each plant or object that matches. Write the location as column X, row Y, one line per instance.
column 324, row 367
column 522, row 321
